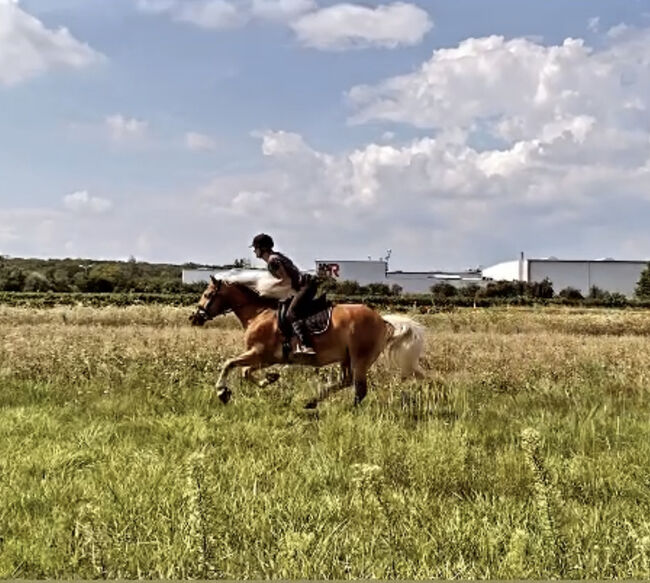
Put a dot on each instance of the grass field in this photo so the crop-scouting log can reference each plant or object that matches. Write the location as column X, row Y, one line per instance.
column 525, row 454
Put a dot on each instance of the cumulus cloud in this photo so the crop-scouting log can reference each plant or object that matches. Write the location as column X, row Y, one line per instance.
column 222, row 14
column 531, row 146
column 82, row 202
column 281, row 10
column 534, row 147
column 28, row 48
column 338, row 27
column 210, row 14
column 350, row 26
column 121, row 128
column 517, row 89
column 155, row 6
column 199, row 142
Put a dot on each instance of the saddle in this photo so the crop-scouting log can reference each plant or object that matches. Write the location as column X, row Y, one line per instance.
column 316, row 320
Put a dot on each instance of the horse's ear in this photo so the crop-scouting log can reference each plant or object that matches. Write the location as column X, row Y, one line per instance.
column 213, row 280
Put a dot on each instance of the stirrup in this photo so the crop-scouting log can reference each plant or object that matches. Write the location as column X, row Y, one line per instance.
column 302, row 349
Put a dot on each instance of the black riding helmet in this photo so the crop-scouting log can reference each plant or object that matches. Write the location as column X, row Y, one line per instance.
column 262, row 241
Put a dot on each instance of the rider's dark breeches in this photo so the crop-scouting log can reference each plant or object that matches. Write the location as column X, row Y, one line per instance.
column 297, row 307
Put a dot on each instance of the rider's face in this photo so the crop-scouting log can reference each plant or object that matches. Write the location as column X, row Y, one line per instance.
column 258, row 252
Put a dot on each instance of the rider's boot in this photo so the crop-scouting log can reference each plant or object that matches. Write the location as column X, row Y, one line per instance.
column 304, row 343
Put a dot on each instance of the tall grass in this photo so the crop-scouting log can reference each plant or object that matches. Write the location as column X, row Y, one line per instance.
column 523, row 455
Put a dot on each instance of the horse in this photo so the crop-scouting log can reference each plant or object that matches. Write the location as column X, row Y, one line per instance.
column 357, row 335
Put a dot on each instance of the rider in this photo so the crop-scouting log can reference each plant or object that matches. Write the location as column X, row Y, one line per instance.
column 303, row 285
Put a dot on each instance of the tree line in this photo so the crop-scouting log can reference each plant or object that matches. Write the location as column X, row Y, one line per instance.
column 92, row 276
column 96, row 277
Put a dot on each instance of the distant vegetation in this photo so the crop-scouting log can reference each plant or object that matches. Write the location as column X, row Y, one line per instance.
column 92, row 276
column 46, row 282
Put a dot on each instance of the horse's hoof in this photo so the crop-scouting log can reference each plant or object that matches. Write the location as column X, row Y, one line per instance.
column 224, row 394
column 272, row 377
column 311, row 404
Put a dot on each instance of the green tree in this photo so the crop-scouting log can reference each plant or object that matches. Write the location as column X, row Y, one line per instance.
column 12, row 279
column 540, row 289
column 643, row 285
column 595, row 293
column 571, row 294
column 241, row 263
column 36, row 282
column 443, row 290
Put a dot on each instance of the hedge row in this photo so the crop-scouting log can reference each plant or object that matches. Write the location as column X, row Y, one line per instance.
column 421, row 302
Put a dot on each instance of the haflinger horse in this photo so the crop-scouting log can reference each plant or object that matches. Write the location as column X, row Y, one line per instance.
column 357, row 335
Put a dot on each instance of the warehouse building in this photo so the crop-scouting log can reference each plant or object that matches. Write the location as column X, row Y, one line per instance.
column 366, row 272
column 582, row 274
column 607, row 274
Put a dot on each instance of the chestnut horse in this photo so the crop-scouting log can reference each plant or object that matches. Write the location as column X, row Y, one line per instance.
column 357, row 335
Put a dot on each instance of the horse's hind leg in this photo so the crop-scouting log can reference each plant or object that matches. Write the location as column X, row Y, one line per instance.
column 360, row 386
column 270, row 377
column 346, row 381
column 360, row 367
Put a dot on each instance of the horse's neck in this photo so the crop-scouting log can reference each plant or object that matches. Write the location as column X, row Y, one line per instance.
column 246, row 304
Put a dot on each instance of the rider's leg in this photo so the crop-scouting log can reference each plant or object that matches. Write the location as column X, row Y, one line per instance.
column 296, row 313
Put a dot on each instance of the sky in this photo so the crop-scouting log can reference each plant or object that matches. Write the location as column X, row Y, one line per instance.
column 455, row 133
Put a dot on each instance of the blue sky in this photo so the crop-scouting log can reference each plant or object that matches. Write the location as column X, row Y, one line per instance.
column 455, row 133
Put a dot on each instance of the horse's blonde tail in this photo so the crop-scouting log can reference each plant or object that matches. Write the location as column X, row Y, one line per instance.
column 405, row 344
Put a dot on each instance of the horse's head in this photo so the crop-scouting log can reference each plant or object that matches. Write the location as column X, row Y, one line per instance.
column 213, row 302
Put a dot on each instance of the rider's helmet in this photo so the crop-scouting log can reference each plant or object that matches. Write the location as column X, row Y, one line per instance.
column 263, row 241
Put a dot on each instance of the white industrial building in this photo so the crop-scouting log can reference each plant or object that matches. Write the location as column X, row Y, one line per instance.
column 415, row 282
column 363, row 272
column 366, row 272
column 582, row 274
column 606, row 274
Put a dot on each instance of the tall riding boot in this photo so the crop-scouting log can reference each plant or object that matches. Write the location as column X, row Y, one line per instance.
column 304, row 342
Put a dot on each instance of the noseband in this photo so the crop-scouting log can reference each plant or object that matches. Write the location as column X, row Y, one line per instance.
column 202, row 311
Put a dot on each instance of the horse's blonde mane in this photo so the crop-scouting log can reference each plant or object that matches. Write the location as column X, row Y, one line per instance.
column 259, row 281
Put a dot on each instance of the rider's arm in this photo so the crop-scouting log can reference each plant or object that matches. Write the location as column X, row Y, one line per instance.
column 277, row 270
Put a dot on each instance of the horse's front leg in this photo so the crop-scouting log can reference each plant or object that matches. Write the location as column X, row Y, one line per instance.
column 250, row 358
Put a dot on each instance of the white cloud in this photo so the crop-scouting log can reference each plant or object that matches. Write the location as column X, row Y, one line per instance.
column 155, row 6
column 350, row 26
column 618, row 30
column 565, row 148
column 198, row 142
column 517, row 89
column 122, row 128
column 593, row 24
column 542, row 148
column 28, row 48
column 82, row 202
column 211, row 14
column 25, row 227
column 216, row 14
column 281, row 10
column 338, row 27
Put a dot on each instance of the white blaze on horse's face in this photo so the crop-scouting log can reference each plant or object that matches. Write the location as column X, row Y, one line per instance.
column 210, row 304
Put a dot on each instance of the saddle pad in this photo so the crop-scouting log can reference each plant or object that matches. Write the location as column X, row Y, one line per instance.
column 319, row 322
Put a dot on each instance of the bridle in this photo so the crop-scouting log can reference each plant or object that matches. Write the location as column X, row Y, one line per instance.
column 202, row 311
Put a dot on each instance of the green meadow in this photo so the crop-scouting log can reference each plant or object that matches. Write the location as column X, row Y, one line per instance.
column 524, row 454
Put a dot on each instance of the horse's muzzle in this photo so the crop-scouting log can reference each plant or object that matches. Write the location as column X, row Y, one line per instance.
column 199, row 317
